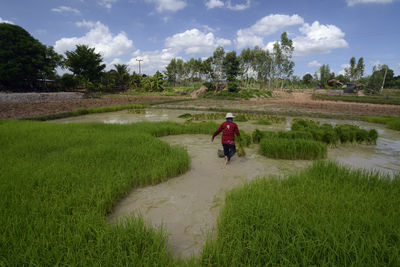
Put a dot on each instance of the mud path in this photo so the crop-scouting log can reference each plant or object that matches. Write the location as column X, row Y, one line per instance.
column 188, row 205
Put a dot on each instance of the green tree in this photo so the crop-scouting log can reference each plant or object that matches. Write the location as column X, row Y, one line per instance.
column 307, row 79
column 324, row 75
column 218, row 62
column 355, row 71
column 85, row 63
column 122, row 75
column 245, row 59
column 262, row 65
column 171, row 72
column 382, row 76
column 230, row 66
column 23, row 59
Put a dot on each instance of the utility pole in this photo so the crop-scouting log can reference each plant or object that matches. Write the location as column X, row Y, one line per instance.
column 140, row 73
column 384, row 78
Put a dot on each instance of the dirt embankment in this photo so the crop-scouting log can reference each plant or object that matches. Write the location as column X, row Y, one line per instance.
column 33, row 104
column 28, row 105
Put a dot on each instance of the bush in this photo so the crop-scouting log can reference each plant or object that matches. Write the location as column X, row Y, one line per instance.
column 280, row 148
column 233, row 87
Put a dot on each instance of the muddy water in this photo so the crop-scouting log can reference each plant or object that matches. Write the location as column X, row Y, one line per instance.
column 188, row 205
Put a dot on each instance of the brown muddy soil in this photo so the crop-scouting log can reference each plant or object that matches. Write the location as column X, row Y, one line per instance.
column 285, row 103
column 282, row 102
column 22, row 109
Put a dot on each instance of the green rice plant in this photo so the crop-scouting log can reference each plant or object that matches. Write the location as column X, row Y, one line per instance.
column 244, row 139
column 295, row 135
column 137, row 111
column 293, row 149
column 263, row 122
column 257, row 135
column 343, row 133
column 59, row 181
column 302, row 124
column 241, row 118
column 325, row 215
column 185, row 116
column 390, row 121
column 372, row 136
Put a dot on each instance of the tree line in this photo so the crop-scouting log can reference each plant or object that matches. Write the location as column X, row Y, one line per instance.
column 28, row 65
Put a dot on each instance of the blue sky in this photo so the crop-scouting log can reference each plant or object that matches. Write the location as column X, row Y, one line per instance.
column 323, row 31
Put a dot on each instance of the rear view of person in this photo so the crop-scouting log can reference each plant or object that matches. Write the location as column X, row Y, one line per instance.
column 228, row 129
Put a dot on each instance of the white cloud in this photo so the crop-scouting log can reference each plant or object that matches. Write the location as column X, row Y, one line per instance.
column 314, row 63
column 152, row 60
column 106, row 3
column 268, row 25
column 214, row 3
column 168, row 5
column 237, row 7
column 99, row 37
column 62, row 9
column 195, row 42
column 5, row 21
column 318, row 39
column 355, row 2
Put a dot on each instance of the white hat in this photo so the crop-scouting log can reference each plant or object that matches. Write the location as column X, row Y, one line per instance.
column 229, row 115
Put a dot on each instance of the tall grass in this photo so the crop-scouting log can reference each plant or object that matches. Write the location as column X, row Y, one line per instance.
column 326, row 215
column 281, row 148
column 59, row 181
column 391, row 122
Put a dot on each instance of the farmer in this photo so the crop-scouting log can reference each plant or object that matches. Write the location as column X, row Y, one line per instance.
column 228, row 129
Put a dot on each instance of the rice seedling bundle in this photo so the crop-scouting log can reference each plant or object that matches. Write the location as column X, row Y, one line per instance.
column 293, row 149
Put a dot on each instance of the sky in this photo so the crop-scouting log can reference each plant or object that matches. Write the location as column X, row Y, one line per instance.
column 155, row 31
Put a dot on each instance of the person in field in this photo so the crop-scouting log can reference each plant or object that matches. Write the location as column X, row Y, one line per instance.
column 229, row 129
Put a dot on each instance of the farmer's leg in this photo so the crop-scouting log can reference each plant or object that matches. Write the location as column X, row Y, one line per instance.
column 226, row 150
column 233, row 150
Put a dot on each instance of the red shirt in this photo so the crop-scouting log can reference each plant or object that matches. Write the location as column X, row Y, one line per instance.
column 228, row 129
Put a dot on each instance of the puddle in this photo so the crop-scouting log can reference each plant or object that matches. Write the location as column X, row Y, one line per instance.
column 188, row 205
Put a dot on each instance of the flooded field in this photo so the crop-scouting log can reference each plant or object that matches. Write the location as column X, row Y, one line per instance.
column 188, row 205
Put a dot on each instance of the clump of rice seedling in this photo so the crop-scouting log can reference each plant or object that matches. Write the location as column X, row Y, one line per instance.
column 295, row 135
column 303, row 124
column 330, row 135
column 137, row 111
column 281, row 148
column 372, row 136
column 263, row 122
column 257, row 135
column 185, row 116
column 241, row 118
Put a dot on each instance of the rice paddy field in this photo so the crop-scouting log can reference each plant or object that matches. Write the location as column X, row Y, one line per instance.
column 60, row 181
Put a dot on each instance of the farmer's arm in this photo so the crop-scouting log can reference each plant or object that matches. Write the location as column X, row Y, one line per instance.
column 217, row 132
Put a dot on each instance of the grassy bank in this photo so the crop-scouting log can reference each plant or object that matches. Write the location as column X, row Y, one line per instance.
column 59, row 181
column 358, row 99
column 391, row 122
column 324, row 216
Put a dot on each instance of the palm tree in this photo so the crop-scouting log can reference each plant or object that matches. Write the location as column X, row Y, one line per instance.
column 122, row 74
